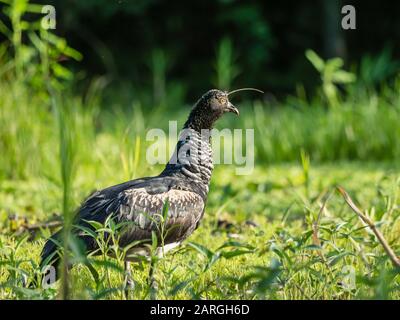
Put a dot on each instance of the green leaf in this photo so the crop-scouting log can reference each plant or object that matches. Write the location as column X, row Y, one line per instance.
column 165, row 210
column 95, row 224
column 334, row 64
column 202, row 250
column 235, row 253
column 61, row 72
column 154, row 240
column 344, row 77
column 316, row 61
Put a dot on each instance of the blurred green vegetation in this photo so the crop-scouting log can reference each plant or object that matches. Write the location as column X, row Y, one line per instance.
column 262, row 41
column 65, row 132
column 267, row 39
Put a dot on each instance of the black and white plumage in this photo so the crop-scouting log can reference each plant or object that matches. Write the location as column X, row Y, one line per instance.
column 184, row 184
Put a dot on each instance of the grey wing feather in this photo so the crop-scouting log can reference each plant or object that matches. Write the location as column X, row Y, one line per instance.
column 139, row 204
column 145, row 211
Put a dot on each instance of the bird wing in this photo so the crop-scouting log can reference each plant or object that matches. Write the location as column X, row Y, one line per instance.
column 145, row 212
column 139, row 205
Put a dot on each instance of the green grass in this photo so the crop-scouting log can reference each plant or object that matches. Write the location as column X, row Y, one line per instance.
column 256, row 240
column 354, row 146
column 275, row 259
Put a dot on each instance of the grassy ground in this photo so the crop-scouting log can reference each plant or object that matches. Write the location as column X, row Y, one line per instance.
column 264, row 235
column 255, row 240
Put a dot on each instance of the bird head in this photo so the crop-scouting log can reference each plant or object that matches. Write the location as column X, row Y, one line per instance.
column 216, row 102
column 211, row 106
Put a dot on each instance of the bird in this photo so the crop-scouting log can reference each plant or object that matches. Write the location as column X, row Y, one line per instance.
column 181, row 190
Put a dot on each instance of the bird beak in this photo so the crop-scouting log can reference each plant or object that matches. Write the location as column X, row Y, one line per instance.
column 232, row 108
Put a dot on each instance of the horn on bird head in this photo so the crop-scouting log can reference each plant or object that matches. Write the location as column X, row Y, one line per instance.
column 244, row 89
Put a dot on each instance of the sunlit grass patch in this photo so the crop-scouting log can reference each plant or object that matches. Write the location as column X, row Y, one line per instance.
column 274, row 256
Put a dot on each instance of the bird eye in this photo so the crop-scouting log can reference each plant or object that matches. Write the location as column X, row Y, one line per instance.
column 222, row 100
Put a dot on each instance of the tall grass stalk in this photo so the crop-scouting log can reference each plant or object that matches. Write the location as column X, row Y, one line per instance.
column 65, row 124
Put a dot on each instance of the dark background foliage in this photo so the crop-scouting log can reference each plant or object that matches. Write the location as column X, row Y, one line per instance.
column 117, row 37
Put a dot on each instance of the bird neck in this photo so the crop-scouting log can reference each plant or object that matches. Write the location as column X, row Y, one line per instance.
column 192, row 157
column 199, row 119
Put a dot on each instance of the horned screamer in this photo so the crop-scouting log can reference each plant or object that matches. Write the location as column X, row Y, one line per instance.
column 181, row 188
